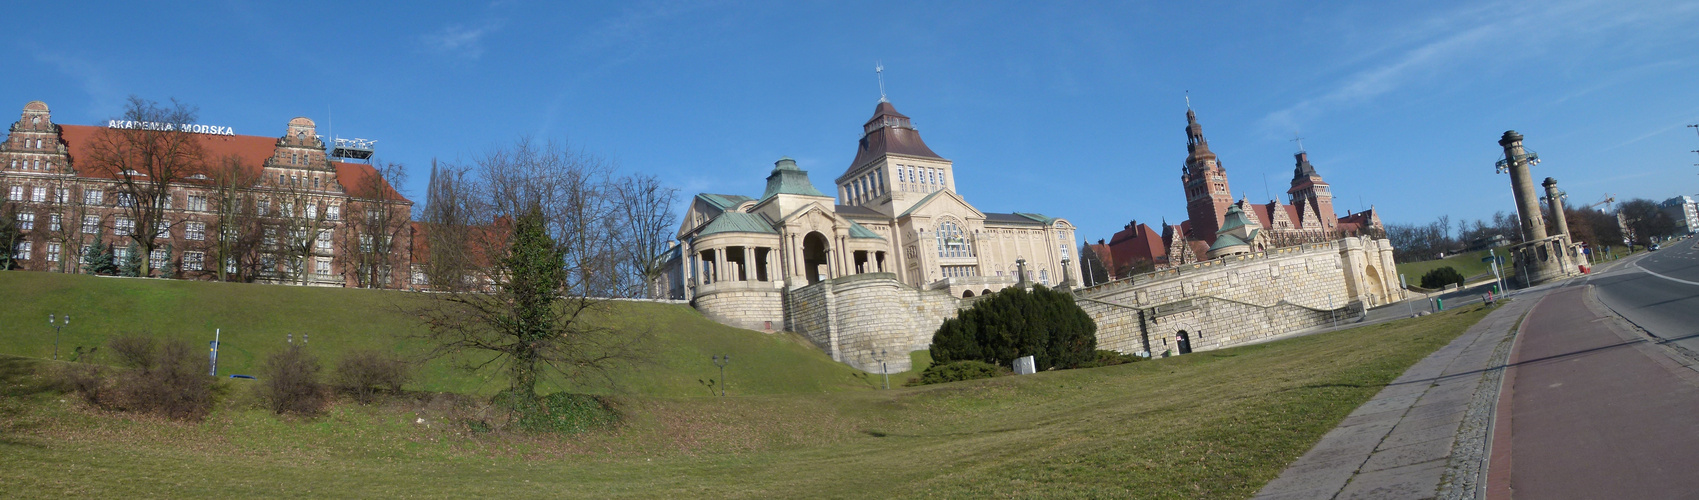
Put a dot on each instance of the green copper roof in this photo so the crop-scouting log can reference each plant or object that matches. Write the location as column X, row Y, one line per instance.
column 787, row 179
column 859, row 231
column 1235, row 219
column 738, row 222
column 1037, row 217
column 1224, row 241
column 723, row 201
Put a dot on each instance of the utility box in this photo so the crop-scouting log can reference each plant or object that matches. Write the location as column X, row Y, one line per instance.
column 1025, row 366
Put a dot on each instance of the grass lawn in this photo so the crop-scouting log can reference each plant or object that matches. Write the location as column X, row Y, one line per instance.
column 256, row 318
column 1215, row 424
column 1467, row 263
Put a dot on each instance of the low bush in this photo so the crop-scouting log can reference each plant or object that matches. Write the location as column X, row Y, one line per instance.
column 289, row 382
column 363, row 373
column 167, row 378
column 957, row 371
column 560, row 412
column 1439, row 278
column 1111, row 358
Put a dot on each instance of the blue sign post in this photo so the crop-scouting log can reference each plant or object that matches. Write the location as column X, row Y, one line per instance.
column 214, row 370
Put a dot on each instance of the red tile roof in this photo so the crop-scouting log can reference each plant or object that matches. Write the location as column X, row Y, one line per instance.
column 252, row 150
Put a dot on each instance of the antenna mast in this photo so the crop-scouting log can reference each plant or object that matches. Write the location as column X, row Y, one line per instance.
column 879, row 69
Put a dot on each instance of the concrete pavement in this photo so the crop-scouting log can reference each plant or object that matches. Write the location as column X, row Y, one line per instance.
column 1405, row 442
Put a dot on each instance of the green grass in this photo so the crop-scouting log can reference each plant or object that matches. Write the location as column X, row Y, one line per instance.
column 1216, row 424
column 256, row 318
column 1467, row 263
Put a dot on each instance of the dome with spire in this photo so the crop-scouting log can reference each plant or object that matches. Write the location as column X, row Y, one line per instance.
column 889, row 132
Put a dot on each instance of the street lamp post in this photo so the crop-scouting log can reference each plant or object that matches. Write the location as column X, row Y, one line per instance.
column 722, row 361
column 883, row 369
column 56, row 326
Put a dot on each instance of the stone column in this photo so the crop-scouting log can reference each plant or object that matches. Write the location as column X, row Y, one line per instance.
column 720, row 264
column 749, row 265
column 1556, row 199
column 1522, row 185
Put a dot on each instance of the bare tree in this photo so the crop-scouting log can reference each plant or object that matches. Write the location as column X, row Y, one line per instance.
column 646, row 221
column 377, row 219
column 236, row 225
column 298, row 228
column 570, row 187
column 147, row 158
column 450, row 209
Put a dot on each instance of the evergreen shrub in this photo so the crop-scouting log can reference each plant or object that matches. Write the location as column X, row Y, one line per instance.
column 1439, row 278
column 1003, row 326
column 958, row 371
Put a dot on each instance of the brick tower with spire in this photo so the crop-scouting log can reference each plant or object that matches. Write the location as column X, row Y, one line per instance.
column 1207, row 194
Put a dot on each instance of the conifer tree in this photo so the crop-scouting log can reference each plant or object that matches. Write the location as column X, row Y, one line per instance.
column 1013, row 323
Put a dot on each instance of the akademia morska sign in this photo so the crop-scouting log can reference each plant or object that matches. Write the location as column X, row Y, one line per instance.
column 168, row 127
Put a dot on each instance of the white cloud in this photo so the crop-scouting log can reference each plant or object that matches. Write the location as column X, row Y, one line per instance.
column 1439, row 47
column 461, row 40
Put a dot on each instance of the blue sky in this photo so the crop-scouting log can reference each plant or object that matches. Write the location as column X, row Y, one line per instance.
column 1071, row 110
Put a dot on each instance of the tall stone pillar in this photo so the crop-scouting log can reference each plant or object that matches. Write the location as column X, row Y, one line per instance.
column 1556, row 197
column 1522, row 185
column 749, row 264
column 720, row 264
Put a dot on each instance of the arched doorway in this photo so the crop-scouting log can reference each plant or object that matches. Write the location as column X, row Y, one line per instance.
column 1377, row 291
column 814, row 257
column 967, row 294
column 1183, row 342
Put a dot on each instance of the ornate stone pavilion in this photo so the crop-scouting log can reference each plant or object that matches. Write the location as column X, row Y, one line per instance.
column 896, row 225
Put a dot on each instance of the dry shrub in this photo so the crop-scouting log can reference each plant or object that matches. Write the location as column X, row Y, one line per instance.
column 88, row 381
column 289, row 382
column 168, row 378
column 363, row 373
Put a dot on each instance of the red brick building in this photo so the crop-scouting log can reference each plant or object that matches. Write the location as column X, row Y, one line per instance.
column 247, row 208
column 1308, row 216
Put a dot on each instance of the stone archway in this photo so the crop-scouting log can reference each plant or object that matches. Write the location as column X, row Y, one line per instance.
column 814, row 251
column 1376, row 289
column 1183, row 342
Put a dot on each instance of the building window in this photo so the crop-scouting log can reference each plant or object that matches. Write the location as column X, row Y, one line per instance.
column 26, row 221
column 91, row 224
column 312, row 211
column 93, row 197
column 120, row 254
column 53, row 223
column 268, row 263
column 321, row 266
column 126, row 200
column 264, row 207
column 324, row 240
column 333, row 212
column 162, row 229
column 123, row 226
column 64, row 196
column 23, row 252
column 365, row 243
column 230, row 265
column 194, row 261
column 197, row 202
column 39, row 194
column 951, row 242
column 53, row 250
column 17, row 193
column 195, row 231
column 158, row 258
column 419, row 276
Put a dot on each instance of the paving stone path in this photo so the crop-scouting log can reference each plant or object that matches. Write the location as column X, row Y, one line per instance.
column 1424, row 435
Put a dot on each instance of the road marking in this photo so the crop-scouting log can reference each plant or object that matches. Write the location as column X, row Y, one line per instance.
column 1677, row 280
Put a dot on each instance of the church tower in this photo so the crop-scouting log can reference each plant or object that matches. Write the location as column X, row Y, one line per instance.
column 1207, row 194
column 1311, row 195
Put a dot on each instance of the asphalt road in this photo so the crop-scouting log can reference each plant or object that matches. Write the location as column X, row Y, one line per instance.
column 1658, row 291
